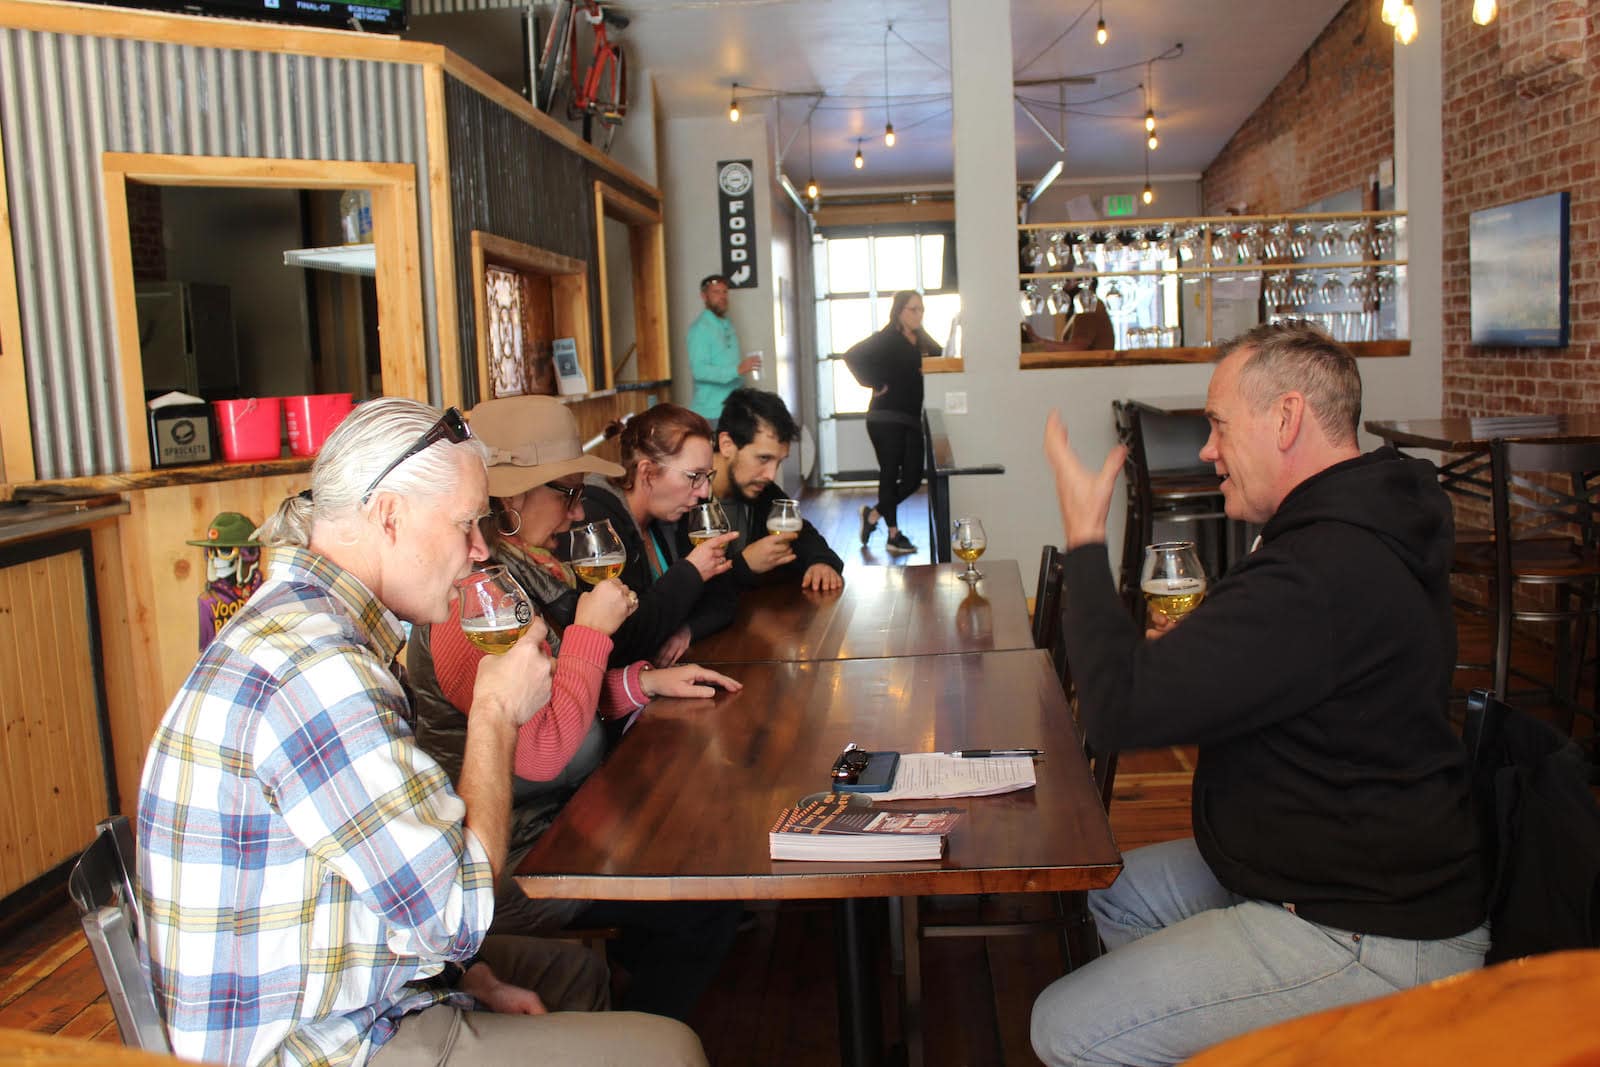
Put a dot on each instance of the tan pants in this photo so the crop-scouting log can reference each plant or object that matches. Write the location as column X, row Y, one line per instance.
column 574, row 985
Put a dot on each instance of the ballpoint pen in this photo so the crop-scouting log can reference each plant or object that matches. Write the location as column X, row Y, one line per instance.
column 974, row 753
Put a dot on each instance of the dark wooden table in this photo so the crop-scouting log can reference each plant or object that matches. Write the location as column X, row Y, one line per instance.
column 882, row 611
column 1468, row 474
column 682, row 808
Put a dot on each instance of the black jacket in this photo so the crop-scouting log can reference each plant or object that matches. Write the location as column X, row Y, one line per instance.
column 749, row 519
column 887, row 358
column 678, row 598
column 1315, row 679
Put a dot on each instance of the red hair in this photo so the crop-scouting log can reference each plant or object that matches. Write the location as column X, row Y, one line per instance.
column 657, row 435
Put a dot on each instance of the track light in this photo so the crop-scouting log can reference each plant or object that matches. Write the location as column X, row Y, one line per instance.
column 1405, row 27
column 733, row 104
column 888, row 135
column 1484, row 11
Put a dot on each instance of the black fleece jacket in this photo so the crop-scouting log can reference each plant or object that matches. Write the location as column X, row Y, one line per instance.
column 678, row 598
column 886, row 358
column 1314, row 679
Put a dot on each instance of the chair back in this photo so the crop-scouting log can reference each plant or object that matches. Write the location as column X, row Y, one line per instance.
column 102, row 886
column 1047, row 606
column 1560, row 510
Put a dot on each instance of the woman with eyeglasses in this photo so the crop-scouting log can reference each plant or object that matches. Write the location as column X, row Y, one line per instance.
column 666, row 470
column 536, row 469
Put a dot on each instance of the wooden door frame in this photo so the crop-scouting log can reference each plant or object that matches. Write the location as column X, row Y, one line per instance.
column 393, row 186
column 569, row 282
column 649, row 262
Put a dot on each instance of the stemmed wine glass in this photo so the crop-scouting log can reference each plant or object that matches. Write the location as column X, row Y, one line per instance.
column 968, row 542
column 1172, row 578
column 784, row 517
column 495, row 612
column 597, row 554
column 706, row 521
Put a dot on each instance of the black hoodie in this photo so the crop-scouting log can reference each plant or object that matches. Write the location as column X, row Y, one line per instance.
column 1315, row 679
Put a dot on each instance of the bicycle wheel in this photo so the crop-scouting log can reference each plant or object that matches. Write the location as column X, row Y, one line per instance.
column 558, row 45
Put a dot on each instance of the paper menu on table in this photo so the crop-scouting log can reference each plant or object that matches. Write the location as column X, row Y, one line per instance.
column 934, row 775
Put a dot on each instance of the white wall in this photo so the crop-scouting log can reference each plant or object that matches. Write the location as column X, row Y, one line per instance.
column 690, row 149
column 1174, row 197
column 634, row 145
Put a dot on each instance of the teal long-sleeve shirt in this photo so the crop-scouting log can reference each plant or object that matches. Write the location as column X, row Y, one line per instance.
column 714, row 362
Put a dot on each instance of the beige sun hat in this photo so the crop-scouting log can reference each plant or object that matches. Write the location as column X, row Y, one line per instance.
column 532, row 440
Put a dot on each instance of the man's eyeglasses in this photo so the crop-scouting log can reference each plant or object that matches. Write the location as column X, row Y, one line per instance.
column 452, row 427
column 572, row 493
column 695, row 477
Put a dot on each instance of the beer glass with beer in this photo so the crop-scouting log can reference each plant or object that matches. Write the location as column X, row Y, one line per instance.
column 706, row 521
column 597, row 553
column 968, row 543
column 1173, row 580
column 784, row 517
column 495, row 612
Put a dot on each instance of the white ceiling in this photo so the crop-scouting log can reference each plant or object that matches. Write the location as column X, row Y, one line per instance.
column 1234, row 52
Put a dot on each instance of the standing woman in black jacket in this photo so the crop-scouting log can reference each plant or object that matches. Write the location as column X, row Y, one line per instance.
column 890, row 364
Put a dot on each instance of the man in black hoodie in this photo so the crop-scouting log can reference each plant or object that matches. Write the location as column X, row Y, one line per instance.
column 1334, row 855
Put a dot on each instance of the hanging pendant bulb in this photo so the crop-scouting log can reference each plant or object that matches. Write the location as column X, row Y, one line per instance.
column 888, row 135
column 1390, row 12
column 812, row 191
column 1149, row 194
column 1152, row 142
column 860, row 160
column 1484, row 11
column 733, row 104
column 1100, row 34
column 1150, row 120
column 1405, row 27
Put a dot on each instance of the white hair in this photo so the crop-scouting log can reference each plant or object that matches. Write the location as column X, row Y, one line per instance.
column 367, row 441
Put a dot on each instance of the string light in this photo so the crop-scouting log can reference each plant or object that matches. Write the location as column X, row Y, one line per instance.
column 1149, row 120
column 1148, row 194
column 888, row 118
column 860, row 160
column 1484, row 11
column 733, row 104
column 1101, row 36
column 1152, row 142
column 1405, row 27
column 812, row 191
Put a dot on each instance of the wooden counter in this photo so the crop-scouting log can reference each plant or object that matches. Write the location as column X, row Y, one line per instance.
column 1041, row 359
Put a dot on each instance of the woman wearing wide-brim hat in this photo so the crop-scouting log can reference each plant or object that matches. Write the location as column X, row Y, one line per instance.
column 536, row 482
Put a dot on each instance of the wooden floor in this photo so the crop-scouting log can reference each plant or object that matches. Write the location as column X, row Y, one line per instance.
column 774, row 1002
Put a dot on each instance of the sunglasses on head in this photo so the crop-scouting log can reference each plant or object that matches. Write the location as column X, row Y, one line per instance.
column 452, row 427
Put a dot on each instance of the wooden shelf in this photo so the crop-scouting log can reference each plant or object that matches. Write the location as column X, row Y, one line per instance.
column 346, row 259
column 1133, row 357
column 99, row 484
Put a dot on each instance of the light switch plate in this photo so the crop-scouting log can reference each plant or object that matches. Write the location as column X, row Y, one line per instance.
column 955, row 403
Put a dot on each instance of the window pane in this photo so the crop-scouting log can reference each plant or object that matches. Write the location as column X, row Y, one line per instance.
column 933, row 261
column 848, row 397
column 880, row 311
column 851, row 320
column 896, row 263
column 847, row 265
column 938, row 313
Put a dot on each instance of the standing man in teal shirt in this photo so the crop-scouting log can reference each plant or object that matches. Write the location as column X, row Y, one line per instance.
column 714, row 351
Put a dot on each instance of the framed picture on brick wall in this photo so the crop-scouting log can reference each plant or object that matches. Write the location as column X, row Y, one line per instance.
column 1519, row 261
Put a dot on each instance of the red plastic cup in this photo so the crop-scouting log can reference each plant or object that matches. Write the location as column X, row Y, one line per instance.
column 312, row 418
column 248, row 428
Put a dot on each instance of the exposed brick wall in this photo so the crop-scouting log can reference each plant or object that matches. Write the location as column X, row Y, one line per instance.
column 145, row 230
column 1521, row 119
column 1323, row 130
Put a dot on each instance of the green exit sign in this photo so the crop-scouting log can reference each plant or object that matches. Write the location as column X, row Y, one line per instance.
column 1119, row 205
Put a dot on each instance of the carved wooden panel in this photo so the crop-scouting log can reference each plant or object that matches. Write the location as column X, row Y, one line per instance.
column 504, row 308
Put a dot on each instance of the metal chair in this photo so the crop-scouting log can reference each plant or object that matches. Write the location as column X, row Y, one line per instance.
column 1546, row 539
column 102, row 886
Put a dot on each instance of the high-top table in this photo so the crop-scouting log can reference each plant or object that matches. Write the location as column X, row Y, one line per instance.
column 882, row 611
column 1469, row 438
column 682, row 808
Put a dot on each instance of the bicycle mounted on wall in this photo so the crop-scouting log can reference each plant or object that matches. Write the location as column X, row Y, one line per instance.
column 598, row 91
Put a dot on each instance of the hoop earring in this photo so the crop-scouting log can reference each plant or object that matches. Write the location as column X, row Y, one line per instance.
column 500, row 521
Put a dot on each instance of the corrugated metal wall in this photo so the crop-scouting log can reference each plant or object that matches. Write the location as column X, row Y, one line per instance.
column 66, row 99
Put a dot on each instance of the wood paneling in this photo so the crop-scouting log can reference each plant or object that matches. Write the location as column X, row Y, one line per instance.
column 51, row 747
column 16, row 433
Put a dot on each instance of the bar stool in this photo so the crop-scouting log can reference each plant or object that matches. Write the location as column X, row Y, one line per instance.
column 1163, row 488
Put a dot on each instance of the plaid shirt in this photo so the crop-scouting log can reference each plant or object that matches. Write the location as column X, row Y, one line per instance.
column 301, row 861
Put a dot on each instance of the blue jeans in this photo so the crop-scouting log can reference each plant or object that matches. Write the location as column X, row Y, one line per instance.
column 1192, row 964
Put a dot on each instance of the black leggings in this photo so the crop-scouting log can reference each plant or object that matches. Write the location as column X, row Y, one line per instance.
column 899, row 451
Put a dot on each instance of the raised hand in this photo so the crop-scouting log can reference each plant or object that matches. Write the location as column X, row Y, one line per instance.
column 1083, row 495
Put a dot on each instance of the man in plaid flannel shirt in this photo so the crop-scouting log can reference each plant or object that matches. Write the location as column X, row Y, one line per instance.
column 310, row 881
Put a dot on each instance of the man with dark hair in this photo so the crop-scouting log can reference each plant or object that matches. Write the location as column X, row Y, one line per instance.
column 714, row 358
column 1335, row 854
column 753, row 439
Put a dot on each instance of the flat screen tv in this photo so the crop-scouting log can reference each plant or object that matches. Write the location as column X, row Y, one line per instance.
column 1519, row 273
column 387, row 16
